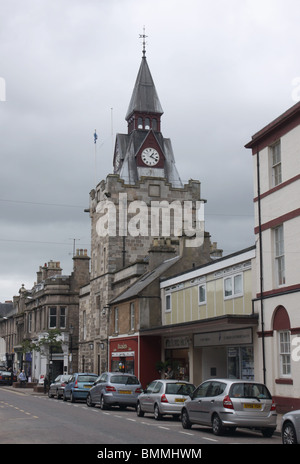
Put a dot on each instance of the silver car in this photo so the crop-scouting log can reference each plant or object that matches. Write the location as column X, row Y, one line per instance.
column 114, row 389
column 290, row 427
column 164, row 397
column 57, row 387
column 227, row 403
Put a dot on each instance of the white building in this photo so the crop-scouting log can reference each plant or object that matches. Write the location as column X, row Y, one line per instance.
column 276, row 167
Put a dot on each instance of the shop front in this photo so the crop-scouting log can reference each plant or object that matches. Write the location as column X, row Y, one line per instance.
column 124, row 355
column 176, row 355
column 227, row 353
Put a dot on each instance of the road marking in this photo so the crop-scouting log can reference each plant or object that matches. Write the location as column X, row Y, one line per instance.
column 165, row 428
column 132, row 420
column 210, row 439
column 187, row 433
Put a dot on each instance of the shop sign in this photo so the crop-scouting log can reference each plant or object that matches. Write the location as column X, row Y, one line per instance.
column 225, row 337
column 117, row 354
column 177, row 342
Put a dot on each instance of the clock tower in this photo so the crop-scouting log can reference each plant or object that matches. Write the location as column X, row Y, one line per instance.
column 143, row 151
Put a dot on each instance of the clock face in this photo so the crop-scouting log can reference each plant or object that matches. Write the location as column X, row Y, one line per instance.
column 150, row 156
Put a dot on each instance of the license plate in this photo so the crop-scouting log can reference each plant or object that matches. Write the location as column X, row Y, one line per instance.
column 179, row 400
column 125, row 392
column 252, row 406
column 87, row 386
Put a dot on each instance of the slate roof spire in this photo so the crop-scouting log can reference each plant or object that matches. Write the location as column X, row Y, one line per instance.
column 144, row 97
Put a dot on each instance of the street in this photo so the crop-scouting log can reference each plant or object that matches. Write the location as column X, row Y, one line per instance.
column 28, row 418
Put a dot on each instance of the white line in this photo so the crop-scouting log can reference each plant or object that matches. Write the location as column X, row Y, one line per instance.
column 165, row 428
column 210, row 439
column 187, row 433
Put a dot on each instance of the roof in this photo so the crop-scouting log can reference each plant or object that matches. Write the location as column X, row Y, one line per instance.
column 146, row 279
column 144, row 96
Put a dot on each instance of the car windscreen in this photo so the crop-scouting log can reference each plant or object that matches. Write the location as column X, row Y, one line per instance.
column 86, row 378
column 124, row 379
column 179, row 388
column 249, row 390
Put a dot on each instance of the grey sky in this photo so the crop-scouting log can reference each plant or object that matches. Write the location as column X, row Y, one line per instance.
column 222, row 70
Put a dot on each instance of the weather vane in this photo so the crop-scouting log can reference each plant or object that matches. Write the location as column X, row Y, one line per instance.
column 143, row 36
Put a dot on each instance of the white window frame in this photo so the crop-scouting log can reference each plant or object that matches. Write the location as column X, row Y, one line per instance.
column 132, row 316
column 275, row 151
column 284, row 350
column 168, row 302
column 279, row 255
column 116, row 319
column 234, row 292
column 52, row 317
column 201, row 302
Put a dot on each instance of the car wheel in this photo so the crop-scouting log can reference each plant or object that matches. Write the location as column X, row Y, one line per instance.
column 217, row 425
column 157, row 414
column 288, row 434
column 139, row 411
column 89, row 401
column 267, row 432
column 102, row 403
column 186, row 424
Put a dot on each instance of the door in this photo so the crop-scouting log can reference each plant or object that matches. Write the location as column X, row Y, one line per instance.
column 196, row 407
column 146, row 400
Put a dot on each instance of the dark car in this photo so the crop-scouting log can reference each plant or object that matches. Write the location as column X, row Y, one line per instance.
column 78, row 386
column 7, row 378
column 114, row 389
column 57, row 387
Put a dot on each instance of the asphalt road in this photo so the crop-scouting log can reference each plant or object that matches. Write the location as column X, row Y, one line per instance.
column 36, row 419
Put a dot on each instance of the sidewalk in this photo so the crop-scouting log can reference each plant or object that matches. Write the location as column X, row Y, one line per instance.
column 30, row 391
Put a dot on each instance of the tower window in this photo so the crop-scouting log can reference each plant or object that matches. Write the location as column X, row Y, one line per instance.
column 147, row 123
column 154, row 124
column 140, row 123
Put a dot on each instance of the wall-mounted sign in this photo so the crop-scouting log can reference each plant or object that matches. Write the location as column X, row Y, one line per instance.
column 177, row 342
column 225, row 337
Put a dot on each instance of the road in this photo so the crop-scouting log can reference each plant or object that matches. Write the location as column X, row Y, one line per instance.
column 36, row 419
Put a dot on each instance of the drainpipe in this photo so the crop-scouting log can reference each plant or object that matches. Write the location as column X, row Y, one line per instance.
column 261, row 277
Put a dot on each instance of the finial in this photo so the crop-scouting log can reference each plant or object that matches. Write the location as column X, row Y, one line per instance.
column 143, row 36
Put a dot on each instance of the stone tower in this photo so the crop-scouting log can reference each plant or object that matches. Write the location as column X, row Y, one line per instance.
column 144, row 199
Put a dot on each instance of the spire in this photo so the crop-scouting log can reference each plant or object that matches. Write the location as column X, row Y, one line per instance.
column 144, row 97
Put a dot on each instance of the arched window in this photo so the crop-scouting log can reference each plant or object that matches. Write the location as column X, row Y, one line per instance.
column 147, row 123
column 281, row 323
column 154, row 124
column 140, row 123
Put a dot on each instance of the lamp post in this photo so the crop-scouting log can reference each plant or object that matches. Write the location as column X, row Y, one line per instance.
column 71, row 330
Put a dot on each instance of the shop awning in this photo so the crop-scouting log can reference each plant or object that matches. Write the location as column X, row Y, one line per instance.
column 228, row 322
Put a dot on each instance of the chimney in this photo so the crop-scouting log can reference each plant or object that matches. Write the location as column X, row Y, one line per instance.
column 81, row 269
column 161, row 249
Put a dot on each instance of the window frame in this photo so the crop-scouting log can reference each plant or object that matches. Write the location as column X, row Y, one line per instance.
column 168, row 303
column 202, row 302
column 234, row 293
column 276, row 165
column 284, row 354
column 52, row 317
column 279, row 256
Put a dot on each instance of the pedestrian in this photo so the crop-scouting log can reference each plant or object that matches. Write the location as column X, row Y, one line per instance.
column 169, row 374
column 46, row 384
column 22, row 378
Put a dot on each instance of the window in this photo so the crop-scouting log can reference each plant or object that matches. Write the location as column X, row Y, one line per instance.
column 285, row 353
column 147, row 123
column 29, row 322
column 279, row 255
column 276, row 163
column 140, row 123
column 52, row 318
column 154, row 124
column 84, row 324
column 62, row 319
column 202, row 294
column 233, row 286
column 116, row 319
column 132, row 316
column 168, row 303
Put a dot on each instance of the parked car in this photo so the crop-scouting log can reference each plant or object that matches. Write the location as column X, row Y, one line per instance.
column 290, row 427
column 78, row 386
column 114, row 389
column 228, row 403
column 6, row 378
column 57, row 387
column 164, row 397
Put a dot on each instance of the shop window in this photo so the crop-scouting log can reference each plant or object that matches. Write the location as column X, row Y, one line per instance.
column 233, row 286
column 202, row 294
column 168, row 303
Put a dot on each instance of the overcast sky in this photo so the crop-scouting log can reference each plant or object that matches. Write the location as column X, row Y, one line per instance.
column 222, row 70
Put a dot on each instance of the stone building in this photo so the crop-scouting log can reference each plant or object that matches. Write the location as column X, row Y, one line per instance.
column 52, row 303
column 142, row 201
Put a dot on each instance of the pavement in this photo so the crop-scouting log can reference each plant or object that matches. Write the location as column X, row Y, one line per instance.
column 31, row 391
